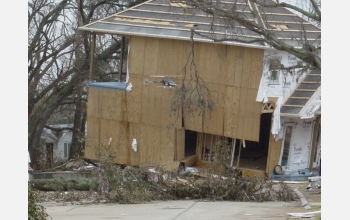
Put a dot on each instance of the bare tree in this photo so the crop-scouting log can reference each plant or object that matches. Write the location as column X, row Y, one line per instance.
column 251, row 15
column 58, row 63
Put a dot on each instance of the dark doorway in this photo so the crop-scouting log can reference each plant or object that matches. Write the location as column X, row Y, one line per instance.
column 265, row 130
column 49, row 154
column 254, row 154
column 190, row 143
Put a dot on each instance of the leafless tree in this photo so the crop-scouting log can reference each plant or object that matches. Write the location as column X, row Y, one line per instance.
column 58, row 63
column 236, row 13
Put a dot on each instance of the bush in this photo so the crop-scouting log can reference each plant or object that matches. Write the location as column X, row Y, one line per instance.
column 35, row 211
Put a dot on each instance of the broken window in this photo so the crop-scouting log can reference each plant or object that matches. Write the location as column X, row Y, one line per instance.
column 274, row 77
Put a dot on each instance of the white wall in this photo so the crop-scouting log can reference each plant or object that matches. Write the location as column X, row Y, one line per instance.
column 59, row 150
column 287, row 81
column 301, row 142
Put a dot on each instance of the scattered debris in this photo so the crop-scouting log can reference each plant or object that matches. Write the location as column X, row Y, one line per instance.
column 152, row 175
column 313, row 186
column 305, row 215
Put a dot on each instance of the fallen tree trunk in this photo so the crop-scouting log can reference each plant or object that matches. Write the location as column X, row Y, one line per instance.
column 63, row 185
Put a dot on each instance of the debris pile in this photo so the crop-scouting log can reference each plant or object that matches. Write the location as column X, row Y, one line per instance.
column 131, row 185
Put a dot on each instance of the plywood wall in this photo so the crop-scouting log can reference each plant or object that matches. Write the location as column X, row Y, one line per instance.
column 232, row 75
column 273, row 154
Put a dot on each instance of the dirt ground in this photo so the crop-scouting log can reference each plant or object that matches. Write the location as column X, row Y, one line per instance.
column 311, row 195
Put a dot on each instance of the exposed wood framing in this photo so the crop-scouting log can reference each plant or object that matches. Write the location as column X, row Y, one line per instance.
column 92, row 53
column 121, row 60
column 314, row 141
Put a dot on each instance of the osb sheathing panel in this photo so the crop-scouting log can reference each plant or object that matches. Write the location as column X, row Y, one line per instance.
column 213, row 122
column 180, row 144
column 136, row 55
column 132, row 108
column 111, row 104
column 220, row 66
column 128, row 131
column 231, row 107
column 93, row 137
column 149, row 145
column 94, row 102
column 110, row 137
column 273, row 154
column 242, row 114
column 239, row 58
column 167, row 145
column 151, row 56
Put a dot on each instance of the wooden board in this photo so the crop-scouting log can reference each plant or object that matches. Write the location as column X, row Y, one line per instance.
column 93, row 137
column 256, row 113
column 133, row 104
column 273, row 154
column 238, row 66
column 129, row 131
column 150, row 144
column 231, row 107
column 151, row 56
column 213, row 122
column 112, row 104
column 136, row 55
column 110, row 140
column 94, row 102
column 242, row 114
column 256, row 69
column 180, row 144
column 230, row 65
column 247, row 66
column 167, row 145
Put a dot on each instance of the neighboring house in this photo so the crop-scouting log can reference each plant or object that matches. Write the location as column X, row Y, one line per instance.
column 270, row 113
column 57, row 144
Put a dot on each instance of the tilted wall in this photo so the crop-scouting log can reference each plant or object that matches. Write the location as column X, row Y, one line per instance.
column 231, row 73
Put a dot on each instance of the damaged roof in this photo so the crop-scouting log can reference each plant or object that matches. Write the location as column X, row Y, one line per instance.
column 302, row 95
column 175, row 19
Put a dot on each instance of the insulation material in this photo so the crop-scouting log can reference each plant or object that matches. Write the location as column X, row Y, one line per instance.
column 128, row 88
column 312, row 106
column 276, row 120
column 300, row 144
column 287, row 82
column 127, row 66
column 134, row 144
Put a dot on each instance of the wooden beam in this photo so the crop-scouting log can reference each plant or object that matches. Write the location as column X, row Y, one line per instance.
column 121, row 60
column 233, row 151
column 239, row 153
column 92, row 52
column 314, row 142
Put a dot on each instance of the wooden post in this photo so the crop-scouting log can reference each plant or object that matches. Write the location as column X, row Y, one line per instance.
column 121, row 56
column 239, row 153
column 92, row 52
column 314, row 142
column 233, row 151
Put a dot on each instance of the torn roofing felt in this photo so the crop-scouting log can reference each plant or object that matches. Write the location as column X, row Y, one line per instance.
column 302, row 95
column 109, row 85
column 175, row 19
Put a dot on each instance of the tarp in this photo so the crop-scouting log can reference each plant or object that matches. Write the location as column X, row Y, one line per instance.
column 109, row 85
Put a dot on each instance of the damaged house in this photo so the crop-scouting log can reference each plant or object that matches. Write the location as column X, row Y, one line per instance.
column 269, row 116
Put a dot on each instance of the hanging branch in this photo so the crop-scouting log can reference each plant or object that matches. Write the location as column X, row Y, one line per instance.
column 193, row 96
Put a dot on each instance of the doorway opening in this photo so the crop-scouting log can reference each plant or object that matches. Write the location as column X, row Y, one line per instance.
column 190, row 143
column 252, row 154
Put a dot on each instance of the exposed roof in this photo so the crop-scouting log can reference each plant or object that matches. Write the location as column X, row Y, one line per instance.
column 168, row 19
column 302, row 94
